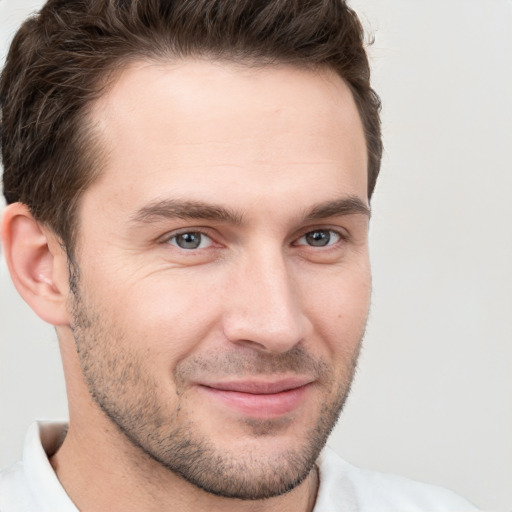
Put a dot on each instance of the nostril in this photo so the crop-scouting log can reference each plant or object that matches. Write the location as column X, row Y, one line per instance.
column 251, row 344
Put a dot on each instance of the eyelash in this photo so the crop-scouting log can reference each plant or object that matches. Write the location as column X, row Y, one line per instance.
column 339, row 236
column 191, row 232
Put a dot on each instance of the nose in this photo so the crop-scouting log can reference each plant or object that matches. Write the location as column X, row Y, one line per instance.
column 264, row 308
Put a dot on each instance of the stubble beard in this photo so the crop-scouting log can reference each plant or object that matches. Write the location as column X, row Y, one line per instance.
column 125, row 390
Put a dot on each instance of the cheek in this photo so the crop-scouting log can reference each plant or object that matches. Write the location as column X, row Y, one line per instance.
column 167, row 319
column 339, row 309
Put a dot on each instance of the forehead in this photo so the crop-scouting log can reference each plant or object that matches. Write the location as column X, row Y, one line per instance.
column 172, row 128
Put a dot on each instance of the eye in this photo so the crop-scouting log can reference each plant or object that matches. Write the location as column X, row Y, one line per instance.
column 190, row 240
column 319, row 238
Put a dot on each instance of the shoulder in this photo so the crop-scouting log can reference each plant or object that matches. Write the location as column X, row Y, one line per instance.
column 345, row 487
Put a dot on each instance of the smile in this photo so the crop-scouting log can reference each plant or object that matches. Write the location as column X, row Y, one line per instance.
column 260, row 399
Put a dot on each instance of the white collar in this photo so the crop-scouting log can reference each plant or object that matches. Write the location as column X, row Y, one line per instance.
column 40, row 443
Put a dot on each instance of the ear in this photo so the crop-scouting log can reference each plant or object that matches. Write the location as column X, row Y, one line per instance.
column 37, row 264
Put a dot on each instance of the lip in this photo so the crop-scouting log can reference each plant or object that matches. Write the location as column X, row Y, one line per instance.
column 260, row 398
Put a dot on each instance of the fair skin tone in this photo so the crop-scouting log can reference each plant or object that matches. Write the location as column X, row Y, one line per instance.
column 223, row 288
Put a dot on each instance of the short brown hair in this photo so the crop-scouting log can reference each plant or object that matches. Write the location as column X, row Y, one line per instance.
column 61, row 58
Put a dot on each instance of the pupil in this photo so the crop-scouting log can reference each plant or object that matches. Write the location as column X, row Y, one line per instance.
column 318, row 238
column 189, row 240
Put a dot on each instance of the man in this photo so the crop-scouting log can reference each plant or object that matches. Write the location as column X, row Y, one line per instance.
column 188, row 186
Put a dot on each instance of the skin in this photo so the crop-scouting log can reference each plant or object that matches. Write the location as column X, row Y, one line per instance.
column 263, row 163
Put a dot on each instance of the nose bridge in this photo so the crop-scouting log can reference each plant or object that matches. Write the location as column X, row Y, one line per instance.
column 265, row 309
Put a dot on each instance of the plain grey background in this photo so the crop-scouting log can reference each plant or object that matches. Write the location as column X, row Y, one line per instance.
column 433, row 397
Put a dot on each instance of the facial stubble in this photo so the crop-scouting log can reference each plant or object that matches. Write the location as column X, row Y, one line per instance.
column 125, row 390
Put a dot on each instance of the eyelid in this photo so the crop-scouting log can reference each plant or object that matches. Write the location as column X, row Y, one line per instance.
column 341, row 233
column 204, row 241
column 207, row 232
column 165, row 239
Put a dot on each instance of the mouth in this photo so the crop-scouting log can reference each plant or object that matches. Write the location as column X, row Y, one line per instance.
column 260, row 398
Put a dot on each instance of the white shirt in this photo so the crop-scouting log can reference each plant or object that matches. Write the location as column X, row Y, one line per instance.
column 31, row 485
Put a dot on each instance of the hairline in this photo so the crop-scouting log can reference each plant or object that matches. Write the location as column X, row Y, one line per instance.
column 93, row 150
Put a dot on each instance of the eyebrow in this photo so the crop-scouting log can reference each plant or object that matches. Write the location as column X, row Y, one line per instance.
column 190, row 210
column 179, row 209
column 350, row 205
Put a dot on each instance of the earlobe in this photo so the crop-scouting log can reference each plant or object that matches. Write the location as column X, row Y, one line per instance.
column 37, row 264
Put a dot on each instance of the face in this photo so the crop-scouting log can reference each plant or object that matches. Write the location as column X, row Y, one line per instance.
column 222, row 280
